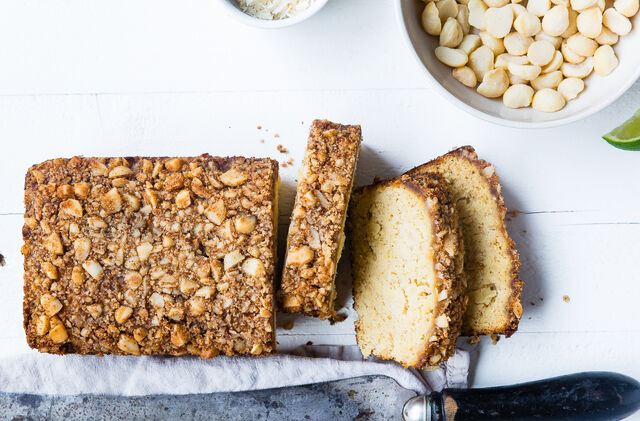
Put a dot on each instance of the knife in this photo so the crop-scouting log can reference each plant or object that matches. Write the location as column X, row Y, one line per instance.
column 592, row 396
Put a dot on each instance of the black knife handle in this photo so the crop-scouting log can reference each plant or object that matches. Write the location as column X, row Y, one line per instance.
column 594, row 396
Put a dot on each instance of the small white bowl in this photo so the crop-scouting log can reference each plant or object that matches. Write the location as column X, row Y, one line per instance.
column 599, row 91
column 231, row 6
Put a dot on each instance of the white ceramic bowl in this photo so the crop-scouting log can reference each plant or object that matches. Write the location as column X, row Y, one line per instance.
column 599, row 91
column 234, row 10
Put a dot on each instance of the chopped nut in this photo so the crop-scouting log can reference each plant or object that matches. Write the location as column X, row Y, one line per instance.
column 442, row 321
column 71, row 208
column 139, row 334
column 144, row 251
column 50, row 270
column 174, row 164
column 256, row 349
column 156, row 300
column 129, row 345
column 133, row 279
column 96, row 223
column 111, row 201
column 167, row 242
column 245, row 224
column 54, row 244
column 151, row 197
column 77, row 276
column 205, row 292
column 42, row 325
column 81, row 189
column 199, row 189
column 300, row 256
column 176, row 314
column 95, row 310
column 232, row 259
column 174, row 182
column 94, row 269
column 216, row 269
column 253, row 267
column 123, row 313
column 64, row 191
column 196, row 306
column 98, row 169
column 187, row 286
column 233, row 177
column 216, row 212
column 179, row 335
column 183, row 199
column 59, row 334
column 132, row 201
column 81, row 248
column 120, row 171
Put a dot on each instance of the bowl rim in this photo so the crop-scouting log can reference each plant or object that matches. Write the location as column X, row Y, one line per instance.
column 247, row 19
column 499, row 120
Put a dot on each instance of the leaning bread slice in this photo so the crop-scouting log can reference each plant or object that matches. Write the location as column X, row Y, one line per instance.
column 407, row 259
column 316, row 232
column 491, row 260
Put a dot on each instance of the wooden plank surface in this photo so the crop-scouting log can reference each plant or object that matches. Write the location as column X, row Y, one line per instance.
column 98, row 78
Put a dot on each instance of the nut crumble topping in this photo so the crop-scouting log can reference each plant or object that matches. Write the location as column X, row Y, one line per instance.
column 144, row 256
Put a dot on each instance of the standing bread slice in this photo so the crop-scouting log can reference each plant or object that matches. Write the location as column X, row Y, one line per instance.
column 407, row 257
column 491, row 260
column 316, row 232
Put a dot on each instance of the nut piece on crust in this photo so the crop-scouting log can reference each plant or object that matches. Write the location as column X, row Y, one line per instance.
column 407, row 257
column 316, row 232
column 491, row 261
column 125, row 256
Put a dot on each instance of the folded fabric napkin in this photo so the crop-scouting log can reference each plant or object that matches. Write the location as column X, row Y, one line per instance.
column 130, row 376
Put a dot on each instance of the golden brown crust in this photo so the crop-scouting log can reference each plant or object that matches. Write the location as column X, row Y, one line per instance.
column 514, row 310
column 448, row 252
column 150, row 256
column 316, row 232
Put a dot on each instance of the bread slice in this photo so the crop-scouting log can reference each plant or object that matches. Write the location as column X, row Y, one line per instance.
column 407, row 258
column 316, row 232
column 491, row 261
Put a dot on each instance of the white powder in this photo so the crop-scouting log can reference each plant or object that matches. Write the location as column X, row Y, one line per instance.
column 273, row 9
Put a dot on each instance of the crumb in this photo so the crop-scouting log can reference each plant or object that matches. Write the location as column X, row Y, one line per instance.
column 276, row 135
column 494, row 338
column 529, row 318
column 514, row 213
column 282, row 149
column 261, row 140
column 474, row 340
column 566, row 298
column 290, row 161
column 302, row 123
column 352, row 394
column 259, row 127
column 309, row 343
column 337, row 318
column 284, row 165
column 541, row 299
column 2, row 261
column 524, row 231
column 288, row 325
column 532, row 303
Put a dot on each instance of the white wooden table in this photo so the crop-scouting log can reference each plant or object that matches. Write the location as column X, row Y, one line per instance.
column 159, row 77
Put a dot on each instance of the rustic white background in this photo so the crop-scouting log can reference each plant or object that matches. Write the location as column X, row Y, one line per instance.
column 160, row 77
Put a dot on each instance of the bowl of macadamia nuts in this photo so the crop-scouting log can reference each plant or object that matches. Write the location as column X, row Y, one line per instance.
column 526, row 63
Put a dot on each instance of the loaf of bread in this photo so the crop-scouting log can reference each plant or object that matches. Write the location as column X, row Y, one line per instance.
column 141, row 256
column 407, row 257
column 316, row 233
column 491, row 261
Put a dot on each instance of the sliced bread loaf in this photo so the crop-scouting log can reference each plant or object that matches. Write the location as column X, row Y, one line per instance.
column 491, row 261
column 407, row 258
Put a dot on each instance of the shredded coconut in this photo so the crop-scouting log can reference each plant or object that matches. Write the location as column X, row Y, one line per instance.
column 273, row 9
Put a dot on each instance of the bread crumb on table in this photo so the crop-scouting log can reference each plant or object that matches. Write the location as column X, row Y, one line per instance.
column 288, row 325
column 2, row 261
column 474, row 340
column 282, row 149
column 566, row 298
column 494, row 338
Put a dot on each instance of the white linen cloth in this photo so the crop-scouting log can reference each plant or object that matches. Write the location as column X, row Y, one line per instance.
column 130, row 376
